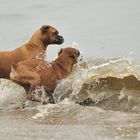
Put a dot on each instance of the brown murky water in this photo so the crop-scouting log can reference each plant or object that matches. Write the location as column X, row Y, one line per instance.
column 67, row 121
column 99, row 100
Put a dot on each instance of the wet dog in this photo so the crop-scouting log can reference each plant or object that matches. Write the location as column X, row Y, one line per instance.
column 36, row 72
column 37, row 44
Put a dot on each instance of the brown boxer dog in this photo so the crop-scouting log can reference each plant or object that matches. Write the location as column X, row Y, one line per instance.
column 37, row 72
column 36, row 45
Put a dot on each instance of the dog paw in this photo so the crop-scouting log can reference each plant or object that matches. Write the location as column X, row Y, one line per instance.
column 44, row 101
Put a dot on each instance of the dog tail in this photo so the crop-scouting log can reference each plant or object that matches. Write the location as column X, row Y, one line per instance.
column 13, row 67
column 13, row 72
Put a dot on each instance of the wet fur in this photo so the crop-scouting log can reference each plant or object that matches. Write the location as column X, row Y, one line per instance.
column 36, row 72
column 37, row 44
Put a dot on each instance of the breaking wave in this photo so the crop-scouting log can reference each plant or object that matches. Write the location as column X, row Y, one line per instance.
column 109, row 84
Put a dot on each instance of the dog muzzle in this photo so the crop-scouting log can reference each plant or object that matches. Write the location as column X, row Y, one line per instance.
column 59, row 39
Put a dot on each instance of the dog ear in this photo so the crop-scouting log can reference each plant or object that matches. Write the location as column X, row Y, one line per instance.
column 61, row 50
column 44, row 28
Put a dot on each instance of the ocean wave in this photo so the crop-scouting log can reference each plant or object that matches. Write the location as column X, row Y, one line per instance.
column 11, row 95
column 111, row 84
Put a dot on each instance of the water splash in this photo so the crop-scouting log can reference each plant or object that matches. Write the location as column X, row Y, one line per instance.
column 11, row 95
column 111, row 84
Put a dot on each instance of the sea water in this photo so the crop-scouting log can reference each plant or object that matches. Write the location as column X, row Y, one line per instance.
column 100, row 99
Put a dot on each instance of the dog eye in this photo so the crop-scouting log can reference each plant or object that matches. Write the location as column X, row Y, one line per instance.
column 55, row 33
column 72, row 56
column 76, row 53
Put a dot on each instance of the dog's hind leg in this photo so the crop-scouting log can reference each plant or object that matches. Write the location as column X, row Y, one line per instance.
column 26, row 75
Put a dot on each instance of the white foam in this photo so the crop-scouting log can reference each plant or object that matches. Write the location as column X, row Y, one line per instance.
column 44, row 110
column 11, row 93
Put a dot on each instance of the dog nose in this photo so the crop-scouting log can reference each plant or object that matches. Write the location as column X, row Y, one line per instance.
column 61, row 38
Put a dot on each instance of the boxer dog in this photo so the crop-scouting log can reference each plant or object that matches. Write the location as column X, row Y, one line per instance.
column 37, row 72
column 37, row 44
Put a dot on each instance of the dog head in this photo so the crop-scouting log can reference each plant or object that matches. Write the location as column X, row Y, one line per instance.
column 70, row 53
column 50, row 35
